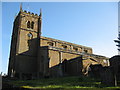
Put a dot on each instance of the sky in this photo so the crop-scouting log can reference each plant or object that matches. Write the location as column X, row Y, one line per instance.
column 91, row 24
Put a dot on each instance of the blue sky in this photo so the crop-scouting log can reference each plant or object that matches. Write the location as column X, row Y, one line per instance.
column 92, row 24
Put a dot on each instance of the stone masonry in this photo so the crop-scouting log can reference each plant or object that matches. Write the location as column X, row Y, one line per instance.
column 34, row 56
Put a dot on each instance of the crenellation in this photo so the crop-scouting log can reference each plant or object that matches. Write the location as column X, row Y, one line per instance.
column 30, row 14
column 25, row 11
column 36, row 14
column 63, row 42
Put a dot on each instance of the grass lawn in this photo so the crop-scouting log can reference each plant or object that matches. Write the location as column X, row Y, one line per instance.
column 61, row 83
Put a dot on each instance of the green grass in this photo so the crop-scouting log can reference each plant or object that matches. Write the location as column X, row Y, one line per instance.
column 61, row 83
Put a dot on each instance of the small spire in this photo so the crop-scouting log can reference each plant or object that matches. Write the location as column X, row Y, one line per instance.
column 20, row 6
column 40, row 12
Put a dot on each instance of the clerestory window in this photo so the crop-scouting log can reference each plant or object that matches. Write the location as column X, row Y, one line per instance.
column 50, row 43
column 64, row 46
column 75, row 48
column 86, row 51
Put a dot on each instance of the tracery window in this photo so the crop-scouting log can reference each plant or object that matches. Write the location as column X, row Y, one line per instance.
column 30, row 36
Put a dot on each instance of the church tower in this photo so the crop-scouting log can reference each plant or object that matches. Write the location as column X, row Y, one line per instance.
column 25, row 45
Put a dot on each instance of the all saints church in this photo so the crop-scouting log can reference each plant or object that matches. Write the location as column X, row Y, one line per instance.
column 35, row 56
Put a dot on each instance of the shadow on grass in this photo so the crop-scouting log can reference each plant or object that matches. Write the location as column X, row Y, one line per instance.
column 61, row 83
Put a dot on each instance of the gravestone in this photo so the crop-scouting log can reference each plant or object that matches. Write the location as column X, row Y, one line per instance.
column 107, row 77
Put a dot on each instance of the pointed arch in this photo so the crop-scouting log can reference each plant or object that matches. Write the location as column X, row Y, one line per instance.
column 32, row 25
column 28, row 24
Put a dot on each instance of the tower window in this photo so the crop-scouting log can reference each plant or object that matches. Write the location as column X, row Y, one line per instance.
column 32, row 25
column 30, row 36
column 28, row 24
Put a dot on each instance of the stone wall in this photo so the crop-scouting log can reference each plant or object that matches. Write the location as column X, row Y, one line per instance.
column 45, row 41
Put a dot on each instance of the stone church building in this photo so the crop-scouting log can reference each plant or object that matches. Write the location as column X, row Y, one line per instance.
column 34, row 56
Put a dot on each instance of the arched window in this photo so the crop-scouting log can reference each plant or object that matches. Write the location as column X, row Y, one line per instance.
column 28, row 24
column 32, row 25
column 30, row 36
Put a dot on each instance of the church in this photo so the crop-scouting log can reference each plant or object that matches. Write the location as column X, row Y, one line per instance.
column 34, row 56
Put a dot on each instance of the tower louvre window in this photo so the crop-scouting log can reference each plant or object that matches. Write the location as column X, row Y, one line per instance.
column 28, row 24
column 32, row 25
